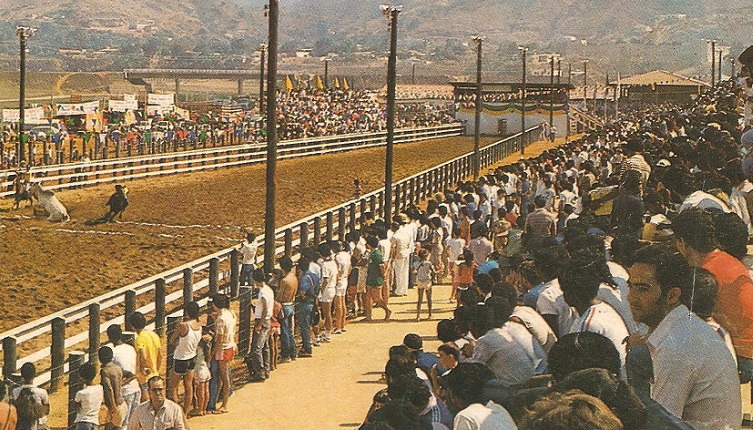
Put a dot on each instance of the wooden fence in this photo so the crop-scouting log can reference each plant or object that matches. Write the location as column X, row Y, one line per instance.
column 77, row 175
column 162, row 296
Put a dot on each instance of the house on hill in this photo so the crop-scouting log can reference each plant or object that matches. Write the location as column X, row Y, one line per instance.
column 658, row 86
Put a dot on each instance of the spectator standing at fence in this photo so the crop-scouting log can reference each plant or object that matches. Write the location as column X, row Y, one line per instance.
column 111, row 377
column 401, row 242
column 329, row 288
column 286, row 294
column 308, row 290
column 89, row 399
column 224, row 345
column 249, row 249
column 124, row 355
column 148, row 349
column 158, row 412
column 374, row 279
column 186, row 338
column 38, row 395
column 342, row 258
column 259, row 371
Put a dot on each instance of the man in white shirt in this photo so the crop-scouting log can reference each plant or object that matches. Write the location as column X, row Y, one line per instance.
column 466, row 385
column 248, row 249
column 124, row 355
column 507, row 348
column 694, row 376
column 262, row 323
column 580, row 281
column 158, row 412
column 401, row 242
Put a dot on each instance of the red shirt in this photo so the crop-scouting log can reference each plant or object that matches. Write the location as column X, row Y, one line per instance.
column 734, row 299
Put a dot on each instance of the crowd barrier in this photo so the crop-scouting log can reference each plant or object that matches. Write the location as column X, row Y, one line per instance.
column 77, row 175
column 162, row 296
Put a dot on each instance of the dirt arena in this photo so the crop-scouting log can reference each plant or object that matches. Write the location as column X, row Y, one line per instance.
column 173, row 220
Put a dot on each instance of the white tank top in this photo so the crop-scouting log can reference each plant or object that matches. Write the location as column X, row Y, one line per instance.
column 187, row 344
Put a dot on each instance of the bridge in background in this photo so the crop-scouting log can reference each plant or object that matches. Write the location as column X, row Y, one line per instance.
column 139, row 76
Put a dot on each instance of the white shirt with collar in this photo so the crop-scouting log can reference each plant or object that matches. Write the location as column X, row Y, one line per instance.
column 267, row 295
column 490, row 416
column 695, row 377
column 511, row 353
column 551, row 301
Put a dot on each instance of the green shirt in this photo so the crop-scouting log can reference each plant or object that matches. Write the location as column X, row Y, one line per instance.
column 374, row 269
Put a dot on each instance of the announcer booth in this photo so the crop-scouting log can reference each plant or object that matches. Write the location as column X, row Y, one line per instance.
column 502, row 107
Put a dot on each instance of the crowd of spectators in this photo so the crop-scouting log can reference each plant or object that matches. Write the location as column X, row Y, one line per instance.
column 301, row 113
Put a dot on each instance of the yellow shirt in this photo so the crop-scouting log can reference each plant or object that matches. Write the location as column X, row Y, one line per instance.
column 150, row 343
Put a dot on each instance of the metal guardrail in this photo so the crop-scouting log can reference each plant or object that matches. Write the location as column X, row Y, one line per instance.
column 77, row 175
column 325, row 225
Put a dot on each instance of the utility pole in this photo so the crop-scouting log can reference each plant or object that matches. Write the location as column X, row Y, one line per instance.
column 413, row 75
column 270, row 213
column 523, row 50
column 23, row 33
column 551, row 95
column 263, row 50
column 720, row 67
column 559, row 70
column 479, row 99
column 732, row 68
column 585, row 85
column 713, row 61
column 390, row 12
column 326, row 73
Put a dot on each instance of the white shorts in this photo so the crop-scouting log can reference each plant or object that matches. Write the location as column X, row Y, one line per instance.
column 342, row 287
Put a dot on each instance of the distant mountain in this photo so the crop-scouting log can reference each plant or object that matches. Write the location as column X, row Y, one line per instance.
column 632, row 35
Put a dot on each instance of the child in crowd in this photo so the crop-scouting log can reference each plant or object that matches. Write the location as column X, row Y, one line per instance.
column 203, row 375
column 88, row 400
column 425, row 274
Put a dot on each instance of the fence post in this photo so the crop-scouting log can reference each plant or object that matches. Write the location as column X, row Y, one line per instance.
column 396, row 196
column 352, row 220
column 303, row 235
column 235, row 275
column 159, row 306
column 187, row 286
column 381, row 205
column 317, row 230
column 57, row 354
column 330, row 227
column 172, row 324
column 341, row 224
column 412, row 188
column 404, row 195
column 75, row 360
column 94, row 333
column 130, row 307
column 244, row 316
column 9, row 356
column 288, row 242
column 214, row 276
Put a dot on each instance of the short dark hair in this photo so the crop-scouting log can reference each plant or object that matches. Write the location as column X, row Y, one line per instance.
column 584, row 350
column 258, row 275
column 28, row 371
column 450, row 349
column 731, row 233
column 467, row 380
column 411, row 388
column 701, row 298
column 398, row 414
column 114, row 333
column 138, row 320
column 87, row 372
column 372, row 241
column 221, row 301
column 286, row 263
column 193, row 310
column 105, row 354
column 539, row 201
column 696, row 228
column 152, row 380
column 672, row 270
column 580, row 280
column 399, row 366
column 447, row 331
column 484, row 282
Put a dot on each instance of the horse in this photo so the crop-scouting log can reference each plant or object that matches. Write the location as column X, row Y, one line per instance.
column 46, row 198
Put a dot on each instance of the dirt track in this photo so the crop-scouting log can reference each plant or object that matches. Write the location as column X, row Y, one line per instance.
column 173, row 220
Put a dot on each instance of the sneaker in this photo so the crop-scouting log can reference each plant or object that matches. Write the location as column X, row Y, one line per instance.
column 343, row 330
column 326, row 339
column 338, row 331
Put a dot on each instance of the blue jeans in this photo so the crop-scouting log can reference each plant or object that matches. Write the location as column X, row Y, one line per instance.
column 214, row 369
column 247, row 271
column 287, row 344
column 260, row 350
column 303, row 310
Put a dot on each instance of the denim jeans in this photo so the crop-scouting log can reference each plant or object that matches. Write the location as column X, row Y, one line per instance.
column 303, row 311
column 214, row 369
column 260, row 350
column 287, row 344
column 246, row 277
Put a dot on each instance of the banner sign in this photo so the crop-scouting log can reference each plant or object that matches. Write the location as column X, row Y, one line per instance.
column 161, row 99
column 35, row 114
column 122, row 105
column 68, row 109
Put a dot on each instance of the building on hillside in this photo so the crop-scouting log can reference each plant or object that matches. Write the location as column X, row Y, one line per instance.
column 502, row 107
column 658, row 86
column 303, row 53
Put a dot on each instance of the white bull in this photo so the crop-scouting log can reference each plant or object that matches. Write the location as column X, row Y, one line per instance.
column 56, row 210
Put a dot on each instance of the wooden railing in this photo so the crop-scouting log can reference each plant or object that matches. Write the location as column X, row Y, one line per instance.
column 77, row 175
column 161, row 297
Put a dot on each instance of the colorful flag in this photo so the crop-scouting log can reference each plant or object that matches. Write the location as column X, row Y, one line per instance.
column 337, row 83
column 319, row 84
column 345, row 84
column 288, row 84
